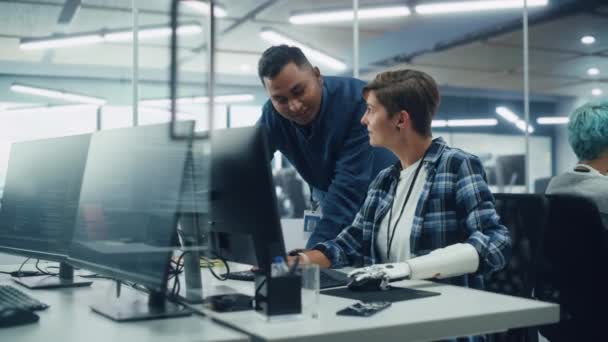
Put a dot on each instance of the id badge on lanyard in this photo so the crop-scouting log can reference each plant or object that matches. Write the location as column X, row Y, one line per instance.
column 311, row 218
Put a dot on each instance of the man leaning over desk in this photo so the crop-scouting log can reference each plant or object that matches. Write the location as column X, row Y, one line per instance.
column 314, row 121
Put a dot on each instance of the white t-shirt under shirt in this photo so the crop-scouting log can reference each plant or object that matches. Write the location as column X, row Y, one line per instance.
column 400, row 248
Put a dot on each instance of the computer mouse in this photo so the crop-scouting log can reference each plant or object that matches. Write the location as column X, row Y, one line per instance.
column 12, row 317
column 372, row 281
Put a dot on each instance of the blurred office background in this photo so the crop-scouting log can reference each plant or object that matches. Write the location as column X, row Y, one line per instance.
column 75, row 66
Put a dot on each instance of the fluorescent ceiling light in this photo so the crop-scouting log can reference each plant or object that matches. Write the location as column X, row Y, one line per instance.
column 114, row 36
column 475, row 6
column 513, row 118
column 596, row 92
column 348, row 14
column 148, row 33
column 588, row 40
column 56, row 94
column 464, row 123
column 507, row 114
column 552, row 120
column 277, row 38
column 59, row 42
column 593, row 71
column 472, row 122
column 203, row 7
column 234, row 98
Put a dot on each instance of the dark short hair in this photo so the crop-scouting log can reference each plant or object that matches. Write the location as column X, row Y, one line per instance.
column 275, row 58
column 413, row 91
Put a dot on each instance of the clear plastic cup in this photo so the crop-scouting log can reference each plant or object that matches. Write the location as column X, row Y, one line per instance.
column 310, row 290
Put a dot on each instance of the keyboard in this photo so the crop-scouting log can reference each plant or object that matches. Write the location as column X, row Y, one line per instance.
column 11, row 297
column 327, row 277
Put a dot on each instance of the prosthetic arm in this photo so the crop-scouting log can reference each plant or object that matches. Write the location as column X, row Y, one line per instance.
column 450, row 261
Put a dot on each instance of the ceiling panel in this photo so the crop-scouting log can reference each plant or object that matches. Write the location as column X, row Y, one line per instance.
column 564, row 34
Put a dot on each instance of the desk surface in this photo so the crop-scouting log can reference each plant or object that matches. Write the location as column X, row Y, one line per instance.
column 69, row 318
column 457, row 311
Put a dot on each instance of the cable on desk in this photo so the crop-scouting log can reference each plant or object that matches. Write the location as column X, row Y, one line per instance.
column 44, row 272
column 177, row 267
column 210, row 266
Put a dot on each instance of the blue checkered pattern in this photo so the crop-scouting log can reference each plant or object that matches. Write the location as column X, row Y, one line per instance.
column 455, row 206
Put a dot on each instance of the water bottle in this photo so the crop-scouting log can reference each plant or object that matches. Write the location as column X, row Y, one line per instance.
column 279, row 267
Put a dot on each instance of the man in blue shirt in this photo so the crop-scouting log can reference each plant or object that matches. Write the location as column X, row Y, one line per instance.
column 315, row 122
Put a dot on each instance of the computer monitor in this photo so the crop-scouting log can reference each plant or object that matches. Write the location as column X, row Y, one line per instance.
column 127, row 214
column 244, row 224
column 40, row 203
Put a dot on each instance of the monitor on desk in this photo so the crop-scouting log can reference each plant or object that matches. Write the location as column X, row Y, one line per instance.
column 244, row 224
column 40, row 203
column 127, row 213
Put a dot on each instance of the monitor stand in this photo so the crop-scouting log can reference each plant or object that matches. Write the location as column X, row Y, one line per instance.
column 65, row 278
column 192, row 261
column 140, row 308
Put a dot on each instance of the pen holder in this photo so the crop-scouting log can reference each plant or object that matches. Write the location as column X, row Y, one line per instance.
column 279, row 295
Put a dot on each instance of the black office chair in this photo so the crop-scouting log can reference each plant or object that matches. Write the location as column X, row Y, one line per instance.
column 574, row 270
column 541, row 184
column 525, row 216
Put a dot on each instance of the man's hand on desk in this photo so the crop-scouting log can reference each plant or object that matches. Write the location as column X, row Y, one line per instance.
column 308, row 257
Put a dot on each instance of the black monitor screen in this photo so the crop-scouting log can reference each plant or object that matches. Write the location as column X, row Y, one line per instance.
column 244, row 220
column 126, row 224
column 40, row 198
column 511, row 170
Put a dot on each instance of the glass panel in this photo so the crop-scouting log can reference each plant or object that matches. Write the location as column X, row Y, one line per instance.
column 476, row 59
column 567, row 66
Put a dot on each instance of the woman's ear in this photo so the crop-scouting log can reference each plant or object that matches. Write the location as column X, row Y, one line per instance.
column 403, row 119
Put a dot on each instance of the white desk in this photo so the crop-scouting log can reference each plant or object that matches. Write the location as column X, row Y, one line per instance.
column 456, row 312
column 69, row 318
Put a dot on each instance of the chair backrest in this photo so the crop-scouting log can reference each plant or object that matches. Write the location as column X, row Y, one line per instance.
column 525, row 216
column 541, row 184
column 574, row 268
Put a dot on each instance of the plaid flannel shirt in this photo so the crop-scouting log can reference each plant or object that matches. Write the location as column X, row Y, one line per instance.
column 455, row 206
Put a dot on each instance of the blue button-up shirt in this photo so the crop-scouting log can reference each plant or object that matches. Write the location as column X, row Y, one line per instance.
column 455, row 206
column 332, row 154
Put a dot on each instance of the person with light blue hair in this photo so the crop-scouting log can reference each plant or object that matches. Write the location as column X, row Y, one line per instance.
column 588, row 137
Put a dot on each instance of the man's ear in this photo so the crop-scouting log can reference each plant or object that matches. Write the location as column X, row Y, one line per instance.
column 403, row 119
column 317, row 73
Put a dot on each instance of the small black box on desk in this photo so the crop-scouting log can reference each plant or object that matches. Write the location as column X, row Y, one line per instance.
column 279, row 295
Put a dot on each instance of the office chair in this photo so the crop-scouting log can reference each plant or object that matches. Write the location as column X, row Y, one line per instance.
column 525, row 216
column 574, row 269
column 541, row 184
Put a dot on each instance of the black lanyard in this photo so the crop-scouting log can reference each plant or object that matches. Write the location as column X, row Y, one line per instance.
column 389, row 241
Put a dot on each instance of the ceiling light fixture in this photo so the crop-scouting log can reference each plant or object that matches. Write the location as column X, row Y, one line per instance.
column 475, row 6
column 274, row 37
column 59, row 42
column 596, row 92
column 155, row 32
column 203, row 7
column 145, row 32
column 552, row 120
column 593, row 71
column 464, row 123
column 513, row 118
column 316, row 17
column 56, row 94
column 588, row 40
column 220, row 99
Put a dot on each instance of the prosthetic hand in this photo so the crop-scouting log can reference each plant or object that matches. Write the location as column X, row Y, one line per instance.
column 451, row 261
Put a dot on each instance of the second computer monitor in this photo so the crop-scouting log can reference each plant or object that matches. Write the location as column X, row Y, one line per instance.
column 244, row 222
column 126, row 224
